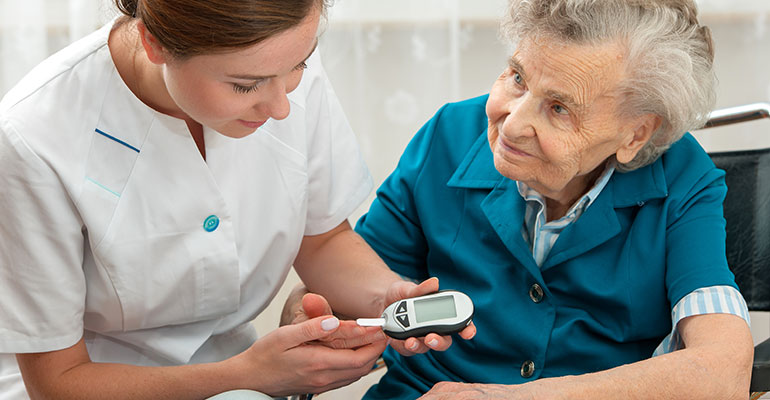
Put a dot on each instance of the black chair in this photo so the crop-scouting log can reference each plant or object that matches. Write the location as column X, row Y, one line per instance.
column 747, row 211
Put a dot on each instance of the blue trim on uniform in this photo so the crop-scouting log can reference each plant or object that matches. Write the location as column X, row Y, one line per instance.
column 102, row 186
column 116, row 139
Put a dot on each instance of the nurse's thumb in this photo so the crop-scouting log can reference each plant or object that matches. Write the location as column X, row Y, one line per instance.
column 313, row 329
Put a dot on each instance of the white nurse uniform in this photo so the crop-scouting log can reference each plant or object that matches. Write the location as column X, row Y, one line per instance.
column 113, row 227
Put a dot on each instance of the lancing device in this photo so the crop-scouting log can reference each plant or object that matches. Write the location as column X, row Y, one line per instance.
column 443, row 312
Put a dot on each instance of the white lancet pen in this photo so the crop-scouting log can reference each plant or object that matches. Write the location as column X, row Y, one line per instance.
column 371, row 321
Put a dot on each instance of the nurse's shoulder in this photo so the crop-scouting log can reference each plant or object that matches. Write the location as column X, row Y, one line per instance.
column 53, row 109
column 57, row 71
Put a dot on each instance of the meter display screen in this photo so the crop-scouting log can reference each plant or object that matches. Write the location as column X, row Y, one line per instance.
column 435, row 308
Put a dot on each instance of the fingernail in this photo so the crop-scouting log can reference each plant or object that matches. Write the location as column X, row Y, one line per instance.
column 413, row 346
column 433, row 343
column 330, row 324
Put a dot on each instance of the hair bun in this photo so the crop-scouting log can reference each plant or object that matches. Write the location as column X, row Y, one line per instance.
column 128, row 7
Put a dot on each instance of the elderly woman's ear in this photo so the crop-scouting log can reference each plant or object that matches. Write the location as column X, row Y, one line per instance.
column 639, row 133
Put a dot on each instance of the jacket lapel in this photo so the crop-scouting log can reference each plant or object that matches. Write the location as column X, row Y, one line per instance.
column 504, row 209
column 598, row 224
column 503, row 206
column 600, row 221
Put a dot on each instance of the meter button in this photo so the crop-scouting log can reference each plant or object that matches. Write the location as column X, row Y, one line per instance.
column 527, row 369
column 536, row 293
column 403, row 320
column 401, row 308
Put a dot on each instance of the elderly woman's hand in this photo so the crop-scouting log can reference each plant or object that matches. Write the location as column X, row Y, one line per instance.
column 470, row 391
column 432, row 341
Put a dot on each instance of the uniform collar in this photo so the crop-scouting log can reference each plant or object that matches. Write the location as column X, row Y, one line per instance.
column 477, row 171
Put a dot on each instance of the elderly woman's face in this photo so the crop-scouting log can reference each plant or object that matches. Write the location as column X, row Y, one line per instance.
column 552, row 116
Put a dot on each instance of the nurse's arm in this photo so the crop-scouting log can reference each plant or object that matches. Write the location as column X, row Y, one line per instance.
column 276, row 364
column 715, row 364
column 70, row 374
column 341, row 266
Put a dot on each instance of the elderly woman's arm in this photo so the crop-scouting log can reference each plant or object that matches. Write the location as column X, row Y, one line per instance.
column 715, row 364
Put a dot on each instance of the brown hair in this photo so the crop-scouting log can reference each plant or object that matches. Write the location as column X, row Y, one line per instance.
column 192, row 27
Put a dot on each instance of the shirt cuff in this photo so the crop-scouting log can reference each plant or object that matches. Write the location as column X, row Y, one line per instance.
column 708, row 300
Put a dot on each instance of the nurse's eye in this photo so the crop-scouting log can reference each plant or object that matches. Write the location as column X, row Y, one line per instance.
column 246, row 89
column 301, row 66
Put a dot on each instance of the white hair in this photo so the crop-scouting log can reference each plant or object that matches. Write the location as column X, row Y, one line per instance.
column 669, row 68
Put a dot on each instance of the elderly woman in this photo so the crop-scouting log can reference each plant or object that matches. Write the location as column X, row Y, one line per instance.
column 578, row 214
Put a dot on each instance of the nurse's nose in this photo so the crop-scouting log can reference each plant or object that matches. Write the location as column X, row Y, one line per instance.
column 277, row 106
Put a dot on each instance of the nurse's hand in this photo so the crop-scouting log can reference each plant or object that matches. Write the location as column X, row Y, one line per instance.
column 291, row 360
column 404, row 289
column 348, row 336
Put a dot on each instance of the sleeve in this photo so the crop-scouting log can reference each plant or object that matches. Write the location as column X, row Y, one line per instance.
column 695, row 234
column 710, row 300
column 338, row 179
column 392, row 226
column 41, row 253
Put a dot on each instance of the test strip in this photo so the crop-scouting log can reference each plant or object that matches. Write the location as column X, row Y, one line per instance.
column 371, row 321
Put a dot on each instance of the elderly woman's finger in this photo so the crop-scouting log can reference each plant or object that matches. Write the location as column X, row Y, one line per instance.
column 469, row 332
column 404, row 289
column 416, row 346
column 409, row 347
column 447, row 387
column 437, row 342
column 315, row 305
column 427, row 286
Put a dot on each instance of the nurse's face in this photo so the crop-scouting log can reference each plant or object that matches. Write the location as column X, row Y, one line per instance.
column 235, row 93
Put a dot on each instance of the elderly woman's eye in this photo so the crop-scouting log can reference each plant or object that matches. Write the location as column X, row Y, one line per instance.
column 517, row 77
column 559, row 109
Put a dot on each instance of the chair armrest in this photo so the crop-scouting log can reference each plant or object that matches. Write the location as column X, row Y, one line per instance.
column 760, row 372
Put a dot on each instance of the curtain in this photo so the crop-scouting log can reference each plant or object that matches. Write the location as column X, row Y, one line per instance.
column 31, row 30
column 394, row 63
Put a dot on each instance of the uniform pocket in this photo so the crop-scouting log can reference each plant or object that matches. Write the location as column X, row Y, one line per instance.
column 171, row 278
column 169, row 250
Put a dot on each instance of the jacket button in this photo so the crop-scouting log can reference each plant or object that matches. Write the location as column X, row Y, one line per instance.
column 527, row 369
column 211, row 223
column 536, row 293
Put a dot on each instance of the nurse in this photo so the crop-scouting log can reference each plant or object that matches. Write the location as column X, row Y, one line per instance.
column 160, row 177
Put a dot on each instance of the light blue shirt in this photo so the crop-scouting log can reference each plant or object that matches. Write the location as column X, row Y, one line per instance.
column 542, row 235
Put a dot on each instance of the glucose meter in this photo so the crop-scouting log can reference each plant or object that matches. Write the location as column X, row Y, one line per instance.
column 443, row 312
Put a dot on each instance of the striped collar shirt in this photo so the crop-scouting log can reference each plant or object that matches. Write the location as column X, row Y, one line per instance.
column 540, row 234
